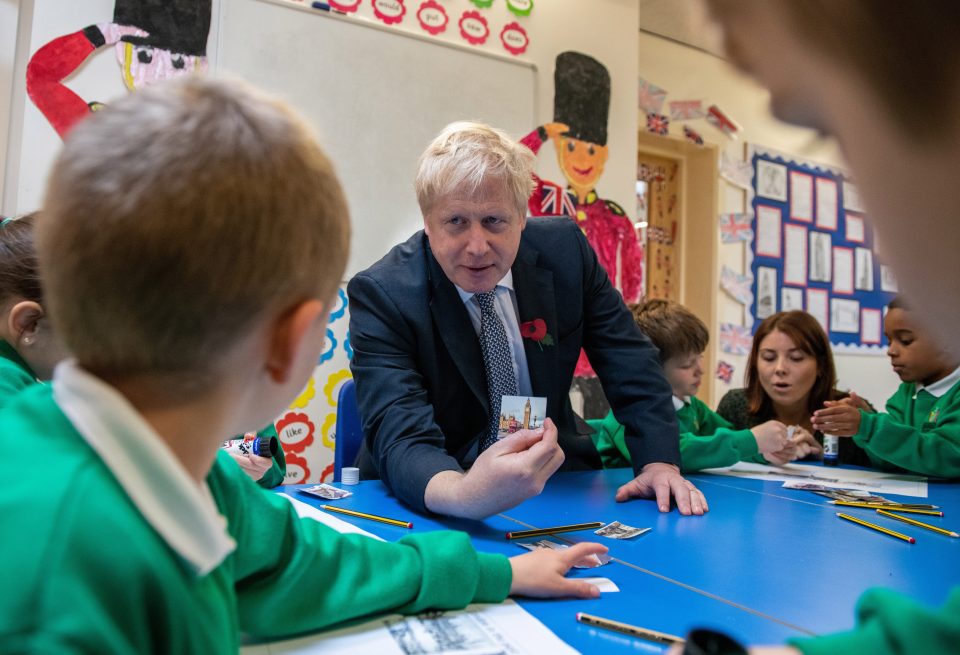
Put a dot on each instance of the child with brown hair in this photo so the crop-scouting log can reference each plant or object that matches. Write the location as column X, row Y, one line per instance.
column 706, row 439
column 920, row 431
column 145, row 537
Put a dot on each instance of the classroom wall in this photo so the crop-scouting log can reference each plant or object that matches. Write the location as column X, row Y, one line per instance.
column 689, row 73
column 603, row 29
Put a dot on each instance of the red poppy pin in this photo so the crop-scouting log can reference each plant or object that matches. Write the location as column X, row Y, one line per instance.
column 537, row 331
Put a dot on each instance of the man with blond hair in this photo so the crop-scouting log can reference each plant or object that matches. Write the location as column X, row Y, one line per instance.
column 483, row 303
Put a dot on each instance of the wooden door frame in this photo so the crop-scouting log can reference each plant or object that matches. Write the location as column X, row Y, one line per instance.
column 698, row 204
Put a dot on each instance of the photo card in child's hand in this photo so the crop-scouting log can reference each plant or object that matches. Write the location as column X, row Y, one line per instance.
column 521, row 413
column 327, row 492
column 618, row 530
column 589, row 562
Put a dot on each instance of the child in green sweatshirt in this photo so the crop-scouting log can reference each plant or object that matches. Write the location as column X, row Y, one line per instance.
column 706, row 439
column 30, row 349
column 920, row 431
column 143, row 536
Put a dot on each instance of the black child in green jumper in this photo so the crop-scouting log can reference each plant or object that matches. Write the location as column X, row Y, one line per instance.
column 920, row 431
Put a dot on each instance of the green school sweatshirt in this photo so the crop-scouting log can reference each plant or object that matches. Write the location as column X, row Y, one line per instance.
column 85, row 572
column 15, row 374
column 891, row 624
column 706, row 440
column 921, row 435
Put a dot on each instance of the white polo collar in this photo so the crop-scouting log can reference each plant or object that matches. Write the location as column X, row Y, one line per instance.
column 941, row 387
column 506, row 282
column 679, row 403
column 182, row 512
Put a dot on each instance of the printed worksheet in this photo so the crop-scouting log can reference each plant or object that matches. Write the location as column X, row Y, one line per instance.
column 505, row 628
column 834, row 478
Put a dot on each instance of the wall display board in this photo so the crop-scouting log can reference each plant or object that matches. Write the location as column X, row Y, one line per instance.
column 813, row 250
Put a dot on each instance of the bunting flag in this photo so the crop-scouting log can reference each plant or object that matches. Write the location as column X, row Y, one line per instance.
column 725, row 371
column 737, row 285
column 686, row 110
column 735, row 339
column 736, row 227
column 651, row 97
column 692, row 135
column 658, row 124
column 736, row 172
column 722, row 122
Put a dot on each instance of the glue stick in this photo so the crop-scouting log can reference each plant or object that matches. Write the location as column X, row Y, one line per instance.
column 831, row 450
column 251, row 444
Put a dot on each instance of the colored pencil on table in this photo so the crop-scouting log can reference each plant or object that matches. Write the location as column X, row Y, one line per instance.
column 626, row 628
column 372, row 517
column 919, row 524
column 929, row 510
column 878, row 528
column 554, row 530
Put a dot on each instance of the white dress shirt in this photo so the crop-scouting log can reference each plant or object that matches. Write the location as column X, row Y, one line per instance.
column 505, row 304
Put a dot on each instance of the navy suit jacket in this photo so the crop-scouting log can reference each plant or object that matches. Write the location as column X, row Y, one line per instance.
column 421, row 386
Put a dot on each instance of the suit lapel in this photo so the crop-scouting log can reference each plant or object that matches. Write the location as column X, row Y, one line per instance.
column 535, row 299
column 456, row 330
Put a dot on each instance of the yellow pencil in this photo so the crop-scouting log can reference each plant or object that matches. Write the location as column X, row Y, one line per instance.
column 540, row 532
column 912, row 509
column 372, row 517
column 626, row 628
column 919, row 524
column 878, row 528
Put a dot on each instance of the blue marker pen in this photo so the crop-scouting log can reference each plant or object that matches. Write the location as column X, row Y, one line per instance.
column 322, row 6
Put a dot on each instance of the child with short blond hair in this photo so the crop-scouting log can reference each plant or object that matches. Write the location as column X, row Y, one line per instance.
column 706, row 439
column 144, row 536
column 920, row 431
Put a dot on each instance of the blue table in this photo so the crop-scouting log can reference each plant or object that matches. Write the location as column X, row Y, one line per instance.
column 765, row 563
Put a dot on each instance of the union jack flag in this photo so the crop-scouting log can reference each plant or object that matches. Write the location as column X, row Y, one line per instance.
column 651, row 97
column 692, row 135
column 738, row 286
column 725, row 371
column 556, row 201
column 736, row 227
column 735, row 339
column 658, row 124
column 686, row 110
column 722, row 122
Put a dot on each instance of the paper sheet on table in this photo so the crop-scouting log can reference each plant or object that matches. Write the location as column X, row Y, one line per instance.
column 477, row 630
column 310, row 512
column 835, row 478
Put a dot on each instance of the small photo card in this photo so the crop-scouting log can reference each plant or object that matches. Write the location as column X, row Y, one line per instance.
column 521, row 413
column 327, row 492
column 618, row 530
column 588, row 562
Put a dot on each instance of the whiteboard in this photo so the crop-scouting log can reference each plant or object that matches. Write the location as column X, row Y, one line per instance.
column 376, row 97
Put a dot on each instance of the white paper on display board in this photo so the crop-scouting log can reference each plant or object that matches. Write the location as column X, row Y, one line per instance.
column 826, row 204
column 801, row 196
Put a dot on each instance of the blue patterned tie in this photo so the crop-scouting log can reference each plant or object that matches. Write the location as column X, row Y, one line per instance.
column 497, row 361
